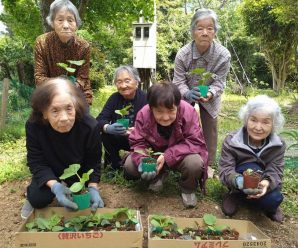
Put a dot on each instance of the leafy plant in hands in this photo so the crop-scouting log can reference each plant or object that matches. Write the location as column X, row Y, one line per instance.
column 204, row 75
column 124, row 111
column 69, row 69
column 148, row 152
column 73, row 170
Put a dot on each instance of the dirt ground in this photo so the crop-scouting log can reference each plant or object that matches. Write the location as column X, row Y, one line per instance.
column 12, row 197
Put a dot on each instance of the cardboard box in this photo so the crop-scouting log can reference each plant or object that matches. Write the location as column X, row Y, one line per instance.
column 245, row 229
column 108, row 239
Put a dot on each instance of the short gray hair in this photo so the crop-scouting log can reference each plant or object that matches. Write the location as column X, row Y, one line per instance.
column 203, row 14
column 57, row 5
column 265, row 104
column 133, row 72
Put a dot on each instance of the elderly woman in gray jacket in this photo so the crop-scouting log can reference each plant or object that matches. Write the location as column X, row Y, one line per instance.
column 255, row 146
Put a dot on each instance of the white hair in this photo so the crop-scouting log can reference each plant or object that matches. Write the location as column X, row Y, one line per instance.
column 265, row 104
column 57, row 5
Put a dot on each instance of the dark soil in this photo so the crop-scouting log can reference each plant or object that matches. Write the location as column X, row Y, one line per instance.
column 12, row 197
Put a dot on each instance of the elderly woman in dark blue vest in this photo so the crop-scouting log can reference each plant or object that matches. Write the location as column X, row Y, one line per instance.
column 115, row 135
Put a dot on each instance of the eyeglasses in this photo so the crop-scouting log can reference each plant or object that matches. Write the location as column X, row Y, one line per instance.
column 126, row 81
column 208, row 30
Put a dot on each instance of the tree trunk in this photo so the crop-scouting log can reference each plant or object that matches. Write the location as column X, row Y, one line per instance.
column 44, row 6
column 5, row 67
column 82, row 7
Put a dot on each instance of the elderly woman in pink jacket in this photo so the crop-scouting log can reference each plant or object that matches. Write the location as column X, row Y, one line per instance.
column 170, row 126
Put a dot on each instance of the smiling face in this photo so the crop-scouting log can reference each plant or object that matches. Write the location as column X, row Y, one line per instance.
column 126, row 85
column 61, row 113
column 259, row 127
column 64, row 25
column 204, row 34
column 164, row 116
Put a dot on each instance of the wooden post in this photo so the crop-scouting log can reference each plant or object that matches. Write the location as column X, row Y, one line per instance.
column 4, row 102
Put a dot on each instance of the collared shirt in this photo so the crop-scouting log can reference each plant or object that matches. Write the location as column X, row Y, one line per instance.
column 215, row 60
column 49, row 51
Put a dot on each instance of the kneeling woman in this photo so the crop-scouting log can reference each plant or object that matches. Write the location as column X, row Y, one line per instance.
column 60, row 132
column 169, row 125
column 255, row 146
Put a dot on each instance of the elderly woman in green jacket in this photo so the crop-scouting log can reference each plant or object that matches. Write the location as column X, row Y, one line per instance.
column 255, row 146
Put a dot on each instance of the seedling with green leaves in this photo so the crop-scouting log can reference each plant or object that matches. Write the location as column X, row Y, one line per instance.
column 148, row 152
column 202, row 82
column 203, row 74
column 210, row 221
column 122, row 219
column 52, row 224
column 73, row 170
column 162, row 225
column 124, row 111
column 149, row 163
column 69, row 69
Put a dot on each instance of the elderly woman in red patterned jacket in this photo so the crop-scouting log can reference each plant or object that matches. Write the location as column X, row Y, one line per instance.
column 169, row 125
column 61, row 45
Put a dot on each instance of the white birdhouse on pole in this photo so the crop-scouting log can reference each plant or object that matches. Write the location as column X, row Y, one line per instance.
column 144, row 45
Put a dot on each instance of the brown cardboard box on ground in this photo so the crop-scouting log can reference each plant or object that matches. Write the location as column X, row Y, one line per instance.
column 245, row 228
column 108, row 239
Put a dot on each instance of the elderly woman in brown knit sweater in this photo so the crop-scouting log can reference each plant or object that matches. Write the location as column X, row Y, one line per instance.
column 61, row 45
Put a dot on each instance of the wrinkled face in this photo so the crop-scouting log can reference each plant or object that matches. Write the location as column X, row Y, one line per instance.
column 204, row 34
column 126, row 85
column 65, row 25
column 164, row 116
column 61, row 113
column 259, row 127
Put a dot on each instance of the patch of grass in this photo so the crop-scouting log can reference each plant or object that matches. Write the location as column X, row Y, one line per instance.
column 100, row 98
column 215, row 190
column 13, row 160
column 290, row 191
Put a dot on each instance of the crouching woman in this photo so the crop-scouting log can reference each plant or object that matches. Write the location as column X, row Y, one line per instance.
column 60, row 132
column 170, row 126
column 255, row 146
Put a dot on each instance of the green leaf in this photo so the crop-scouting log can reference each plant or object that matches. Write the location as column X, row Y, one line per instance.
column 63, row 65
column 85, row 176
column 69, row 69
column 70, row 171
column 105, row 222
column 117, row 224
column 198, row 71
column 154, row 223
column 76, row 62
column 57, row 228
column 76, row 187
column 209, row 219
column 124, row 111
column 221, row 228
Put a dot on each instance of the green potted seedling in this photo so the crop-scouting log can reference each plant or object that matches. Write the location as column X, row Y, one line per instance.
column 123, row 112
column 70, row 69
column 149, row 163
column 80, row 194
column 204, row 75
